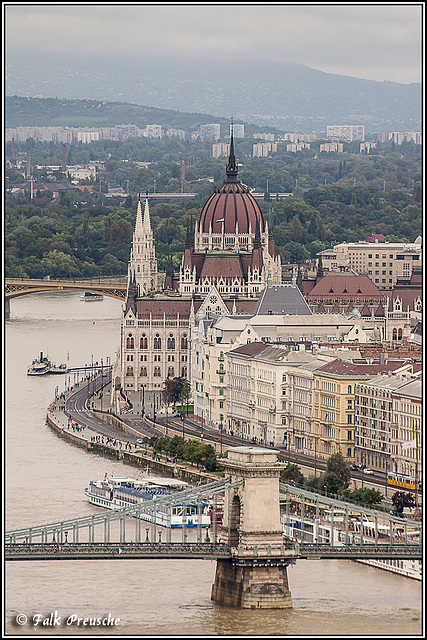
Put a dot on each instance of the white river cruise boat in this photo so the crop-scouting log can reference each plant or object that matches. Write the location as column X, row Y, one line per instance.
column 316, row 531
column 116, row 493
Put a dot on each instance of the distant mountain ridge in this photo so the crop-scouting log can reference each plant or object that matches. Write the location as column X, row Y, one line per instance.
column 289, row 96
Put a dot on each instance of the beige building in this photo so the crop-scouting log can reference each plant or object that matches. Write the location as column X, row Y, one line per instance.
column 387, row 416
column 407, row 431
column 334, row 402
column 383, row 262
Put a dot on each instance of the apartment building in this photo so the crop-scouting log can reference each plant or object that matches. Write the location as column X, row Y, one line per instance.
column 263, row 149
column 210, row 131
column 334, row 402
column 383, row 262
column 297, row 146
column 332, row 147
column 407, row 429
column 345, row 132
column 387, row 425
column 220, row 149
column 238, row 130
column 269, row 395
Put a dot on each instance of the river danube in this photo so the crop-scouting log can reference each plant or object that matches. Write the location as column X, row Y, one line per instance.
column 45, row 480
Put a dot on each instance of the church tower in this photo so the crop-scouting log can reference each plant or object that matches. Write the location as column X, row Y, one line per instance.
column 143, row 264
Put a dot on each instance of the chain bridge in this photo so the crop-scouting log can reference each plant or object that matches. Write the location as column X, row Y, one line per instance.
column 253, row 544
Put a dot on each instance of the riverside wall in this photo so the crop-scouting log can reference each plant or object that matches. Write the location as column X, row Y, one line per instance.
column 143, row 461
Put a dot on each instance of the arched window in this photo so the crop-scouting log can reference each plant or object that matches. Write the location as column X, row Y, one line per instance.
column 183, row 372
column 184, row 341
column 157, row 341
column 171, row 342
column 143, row 342
column 129, row 371
column 395, row 334
column 399, row 334
column 144, row 371
column 171, row 372
column 130, row 342
column 349, row 388
column 157, row 372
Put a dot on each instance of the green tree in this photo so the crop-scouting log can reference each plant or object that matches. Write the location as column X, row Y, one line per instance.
column 337, row 475
column 400, row 500
column 292, row 474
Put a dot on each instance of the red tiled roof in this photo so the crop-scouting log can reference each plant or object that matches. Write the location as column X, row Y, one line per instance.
column 343, row 368
column 345, row 286
column 226, row 266
column 251, row 349
column 170, row 308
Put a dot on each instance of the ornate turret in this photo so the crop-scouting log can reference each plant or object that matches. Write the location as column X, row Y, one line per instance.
column 143, row 263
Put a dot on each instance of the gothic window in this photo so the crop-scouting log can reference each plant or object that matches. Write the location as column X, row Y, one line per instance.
column 394, row 334
column 399, row 334
column 129, row 371
column 213, row 299
column 130, row 343
column 157, row 372
column 143, row 342
column 171, row 342
column 183, row 372
column 144, row 371
column 157, row 342
column 171, row 372
column 184, row 341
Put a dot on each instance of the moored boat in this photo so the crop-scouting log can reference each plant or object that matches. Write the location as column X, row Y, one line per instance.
column 42, row 366
column 313, row 530
column 115, row 493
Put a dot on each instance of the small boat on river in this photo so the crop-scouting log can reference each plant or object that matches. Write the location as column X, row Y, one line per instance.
column 116, row 493
column 90, row 296
column 42, row 366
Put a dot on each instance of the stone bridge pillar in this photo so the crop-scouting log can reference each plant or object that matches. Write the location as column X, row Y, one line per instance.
column 256, row 576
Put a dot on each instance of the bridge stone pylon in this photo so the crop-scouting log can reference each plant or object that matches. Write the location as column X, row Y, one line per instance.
column 256, row 575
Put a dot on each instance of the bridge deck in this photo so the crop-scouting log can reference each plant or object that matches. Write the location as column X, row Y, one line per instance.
column 204, row 550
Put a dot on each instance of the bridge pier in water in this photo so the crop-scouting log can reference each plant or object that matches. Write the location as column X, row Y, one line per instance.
column 256, row 575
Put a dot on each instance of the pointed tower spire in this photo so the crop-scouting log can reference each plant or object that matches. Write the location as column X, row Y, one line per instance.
column 231, row 169
column 147, row 223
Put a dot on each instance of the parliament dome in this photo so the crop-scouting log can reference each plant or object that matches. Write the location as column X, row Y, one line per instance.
column 231, row 207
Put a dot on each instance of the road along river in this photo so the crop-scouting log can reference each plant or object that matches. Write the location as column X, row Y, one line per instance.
column 45, row 479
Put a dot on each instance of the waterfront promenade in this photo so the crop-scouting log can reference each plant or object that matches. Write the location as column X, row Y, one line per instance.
column 104, row 433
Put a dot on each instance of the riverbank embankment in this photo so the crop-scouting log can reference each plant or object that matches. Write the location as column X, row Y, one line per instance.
column 80, row 435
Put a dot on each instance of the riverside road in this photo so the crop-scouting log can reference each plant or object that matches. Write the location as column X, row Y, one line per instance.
column 94, row 395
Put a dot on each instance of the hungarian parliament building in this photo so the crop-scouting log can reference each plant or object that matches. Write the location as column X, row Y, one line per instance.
column 229, row 258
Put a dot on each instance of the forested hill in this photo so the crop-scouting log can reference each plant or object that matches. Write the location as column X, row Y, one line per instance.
column 290, row 96
column 48, row 112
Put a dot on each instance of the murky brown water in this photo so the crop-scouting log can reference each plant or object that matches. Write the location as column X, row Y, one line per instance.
column 45, row 480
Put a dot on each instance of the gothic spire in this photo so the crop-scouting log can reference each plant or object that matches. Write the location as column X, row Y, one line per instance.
column 231, row 169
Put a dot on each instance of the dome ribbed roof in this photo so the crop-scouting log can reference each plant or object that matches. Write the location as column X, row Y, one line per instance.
column 233, row 202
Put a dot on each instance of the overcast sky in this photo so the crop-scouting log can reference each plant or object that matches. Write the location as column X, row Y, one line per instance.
column 370, row 41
